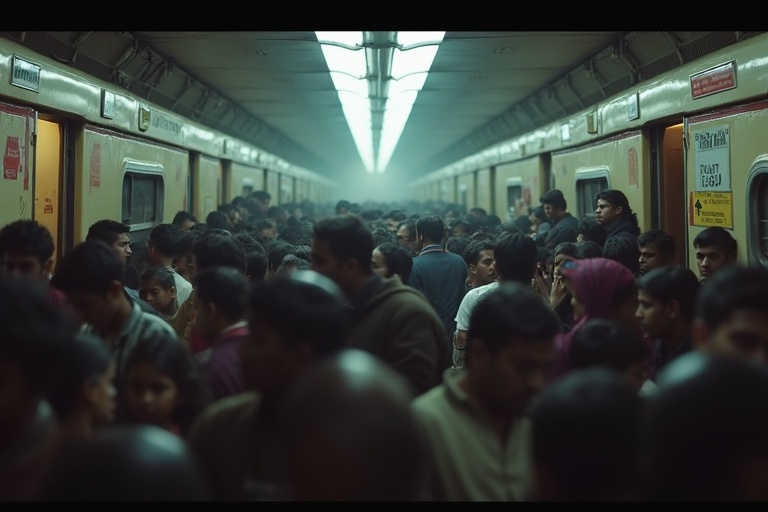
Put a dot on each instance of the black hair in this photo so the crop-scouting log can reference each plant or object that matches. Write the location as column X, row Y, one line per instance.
column 87, row 360
column 276, row 252
column 397, row 215
column 666, row 284
column 617, row 199
column 226, row 288
column 217, row 219
column 717, row 237
column 28, row 237
column 34, row 335
column 161, row 275
column 588, row 249
column 661, row 239
column 399, row 260
column 472, row 252
column 431, row 227
column 511, row 313
column 107, row 231
column 90, row 267
column 383, row 236
column 458, row 244
column 348, row 238
column 554, row 198
column 182, row 216
column 256, row 265
column 593, row 231
column 301, row 313
column 516, row 258
column 585, row 432
column 608, row 344
column 731, row 289
column 171, row 357
column 214, row 250
column 567, row 248
column 506, row 228
column 261, row 195
column 164, row 238
column 623, row 249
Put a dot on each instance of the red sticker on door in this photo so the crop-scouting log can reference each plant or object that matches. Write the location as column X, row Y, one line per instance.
column 11, row 158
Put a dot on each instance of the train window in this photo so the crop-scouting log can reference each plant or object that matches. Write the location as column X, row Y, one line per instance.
column 143, row 195
column 589, row 183
column 757, row 214
column 514, row 194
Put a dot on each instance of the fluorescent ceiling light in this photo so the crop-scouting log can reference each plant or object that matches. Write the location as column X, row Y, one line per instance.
column 377, row 135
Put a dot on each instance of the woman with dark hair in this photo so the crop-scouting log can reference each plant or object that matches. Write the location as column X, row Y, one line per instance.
column 162, row 386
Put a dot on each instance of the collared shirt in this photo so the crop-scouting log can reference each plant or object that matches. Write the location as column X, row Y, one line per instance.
column 140, row 325
column 431, row 248
column 221, row 363
column 468, row 460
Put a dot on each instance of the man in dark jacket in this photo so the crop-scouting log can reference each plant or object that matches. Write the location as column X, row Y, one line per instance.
column 565, row 227
column 393, row 321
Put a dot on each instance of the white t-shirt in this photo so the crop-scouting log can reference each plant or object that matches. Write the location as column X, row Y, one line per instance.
column 469, row 302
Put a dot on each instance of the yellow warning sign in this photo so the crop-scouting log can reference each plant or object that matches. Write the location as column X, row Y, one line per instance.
column 711, row 209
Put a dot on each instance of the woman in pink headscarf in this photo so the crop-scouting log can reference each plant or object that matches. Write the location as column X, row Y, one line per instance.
column 601, row 288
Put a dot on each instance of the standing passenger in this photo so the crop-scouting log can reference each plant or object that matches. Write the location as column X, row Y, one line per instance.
column 715, row 249
column 564, row 225
column 614, row 213
column 475, row 421
column 440, row 275
column 657, row 249
column 162, row 242
column 391, row 320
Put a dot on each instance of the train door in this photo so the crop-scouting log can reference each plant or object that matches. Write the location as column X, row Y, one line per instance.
column 48, row 181
column 16, row 125
column 668, row 201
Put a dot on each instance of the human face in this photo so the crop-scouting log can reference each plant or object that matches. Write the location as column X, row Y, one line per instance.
column 324, row 262
column 151, row 396
column 580, row 238
column 653, row 316
column 122, row 247
column 510, row 377
column 651, row 258
column 392, row 223
column 26, row 265
column 549, row 210
column 484, row 272
column 157, row 296
column 579, row 310
column 187, row 225
column 405, row 237
column 745, row 334
column 268, row 365
column 711, row 259
column 606, row 213
column 96, row 309
column 102, row 397
column 379, row 263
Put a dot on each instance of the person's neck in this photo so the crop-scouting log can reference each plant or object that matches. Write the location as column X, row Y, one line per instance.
column 162, row 261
